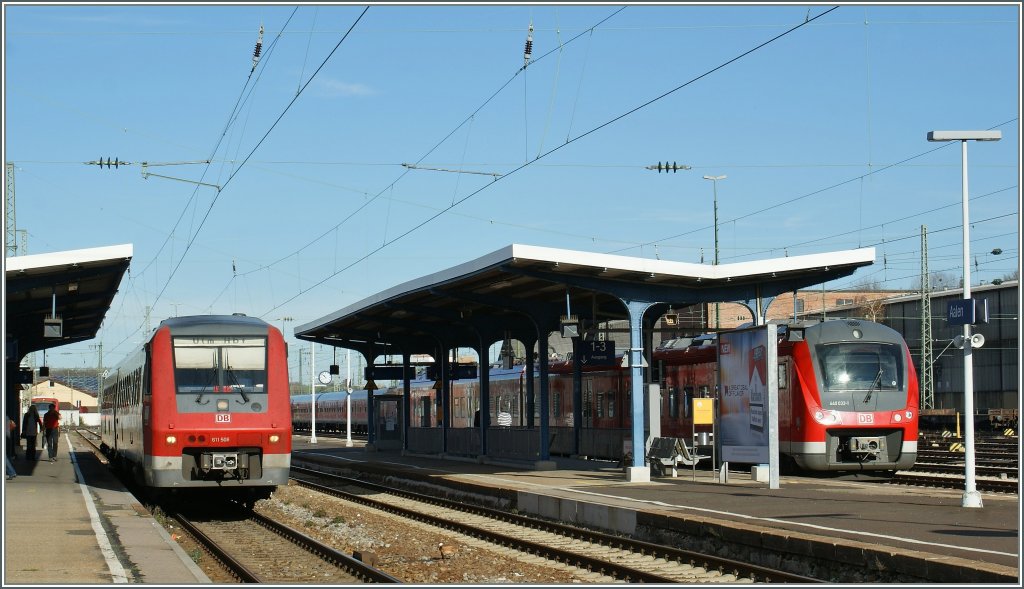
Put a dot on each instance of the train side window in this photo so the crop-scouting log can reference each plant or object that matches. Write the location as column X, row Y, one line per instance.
column 600, row 405
column 556, row 405
column 611, row 404
column 673, row 403
column 783, row 376
column 687, row 400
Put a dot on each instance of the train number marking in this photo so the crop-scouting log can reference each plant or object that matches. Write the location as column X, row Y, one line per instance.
column 865, row 418
column 223, row 418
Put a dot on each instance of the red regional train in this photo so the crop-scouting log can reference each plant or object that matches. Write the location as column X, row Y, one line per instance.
column 202, row 406
column 848, row 397
column 331, row 412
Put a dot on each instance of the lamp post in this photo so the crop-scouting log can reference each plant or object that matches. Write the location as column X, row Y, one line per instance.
column 312, row 393
column 714, row 182
column 971, row 497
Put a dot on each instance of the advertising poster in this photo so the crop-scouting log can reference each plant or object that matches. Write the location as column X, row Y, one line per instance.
column 745, row 360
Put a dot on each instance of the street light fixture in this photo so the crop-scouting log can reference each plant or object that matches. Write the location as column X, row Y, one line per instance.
column 714, row 182
column 971, row 497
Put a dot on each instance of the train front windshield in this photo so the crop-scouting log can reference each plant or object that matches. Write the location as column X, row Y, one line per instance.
column 861, row 367
column 220, row 365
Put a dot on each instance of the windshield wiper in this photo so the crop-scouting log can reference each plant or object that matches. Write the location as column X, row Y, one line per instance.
column 241, row 389
column 871, row 389
column 206, row 386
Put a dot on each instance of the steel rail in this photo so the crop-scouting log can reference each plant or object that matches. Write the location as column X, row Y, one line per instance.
column 708, row 562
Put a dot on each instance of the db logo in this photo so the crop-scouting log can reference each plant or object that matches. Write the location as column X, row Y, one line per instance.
column 865, row 418
column 223, row 418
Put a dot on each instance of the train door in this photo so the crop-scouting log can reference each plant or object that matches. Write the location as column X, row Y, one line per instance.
column 785, row 405
column 388, row 421
column 425, row 411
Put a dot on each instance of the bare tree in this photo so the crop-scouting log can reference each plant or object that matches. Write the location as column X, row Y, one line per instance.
column 873, row 310
column 938, row 281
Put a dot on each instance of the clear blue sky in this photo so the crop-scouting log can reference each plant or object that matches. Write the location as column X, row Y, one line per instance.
column 821, row 132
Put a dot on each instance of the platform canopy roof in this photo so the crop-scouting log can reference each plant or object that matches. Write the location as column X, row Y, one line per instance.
column 521, row 288
column 81, row 283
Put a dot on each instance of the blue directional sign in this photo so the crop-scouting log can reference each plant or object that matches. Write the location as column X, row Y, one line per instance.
column 455, row 372
column 595, row 353
column 967, row 311
column 387, row 372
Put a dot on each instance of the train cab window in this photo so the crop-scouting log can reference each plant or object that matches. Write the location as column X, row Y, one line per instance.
column 205, row 365
column 861, row 366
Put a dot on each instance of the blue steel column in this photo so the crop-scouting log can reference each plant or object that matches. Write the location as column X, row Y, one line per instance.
column 371, row 422
column 577, row 395
column 443, row 393
column 531, row 393
column 544, row 407
column 485, row 395
column 636, row 371
column 406, row 396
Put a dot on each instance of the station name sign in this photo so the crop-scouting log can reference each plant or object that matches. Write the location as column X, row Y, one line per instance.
column 967, row 312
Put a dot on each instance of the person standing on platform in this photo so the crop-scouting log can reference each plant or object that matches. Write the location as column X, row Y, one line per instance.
column 12, row 438
column 51, row 421
column 31, row 425
column 11, row 473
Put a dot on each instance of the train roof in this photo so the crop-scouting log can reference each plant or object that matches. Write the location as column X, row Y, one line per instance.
column 201, row 324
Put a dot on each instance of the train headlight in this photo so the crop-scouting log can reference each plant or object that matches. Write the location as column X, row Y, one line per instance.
column 897, row 418
column 171, row 440
column 274, row 438
column 827, row 417
column 910, row 415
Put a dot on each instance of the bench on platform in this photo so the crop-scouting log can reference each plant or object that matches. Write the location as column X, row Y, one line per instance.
column 668, row 453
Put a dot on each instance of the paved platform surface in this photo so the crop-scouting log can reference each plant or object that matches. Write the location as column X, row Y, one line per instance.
column 850, row 510
column 71, row 522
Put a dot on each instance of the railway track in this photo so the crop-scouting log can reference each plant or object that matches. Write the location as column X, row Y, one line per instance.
column 950, row 481
column 609, row 558
column 255, row 549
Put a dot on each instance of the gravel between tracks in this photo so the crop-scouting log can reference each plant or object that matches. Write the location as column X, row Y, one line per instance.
column 406, row 550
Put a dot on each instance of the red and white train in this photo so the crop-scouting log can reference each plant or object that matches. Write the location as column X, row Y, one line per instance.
column 202, row 405
column 848, row 397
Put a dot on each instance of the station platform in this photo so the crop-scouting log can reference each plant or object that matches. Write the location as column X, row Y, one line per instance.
column 71, row 522
column 854, row 520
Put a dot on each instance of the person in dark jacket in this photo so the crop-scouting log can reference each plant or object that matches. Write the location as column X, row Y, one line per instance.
column 31, row 425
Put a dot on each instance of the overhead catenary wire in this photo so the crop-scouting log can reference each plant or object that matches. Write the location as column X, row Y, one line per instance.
column 468, row 118
column 256, row 147
column 558, row 148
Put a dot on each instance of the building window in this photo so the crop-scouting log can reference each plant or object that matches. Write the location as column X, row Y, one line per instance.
column 841, row 302
column 799, row 306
